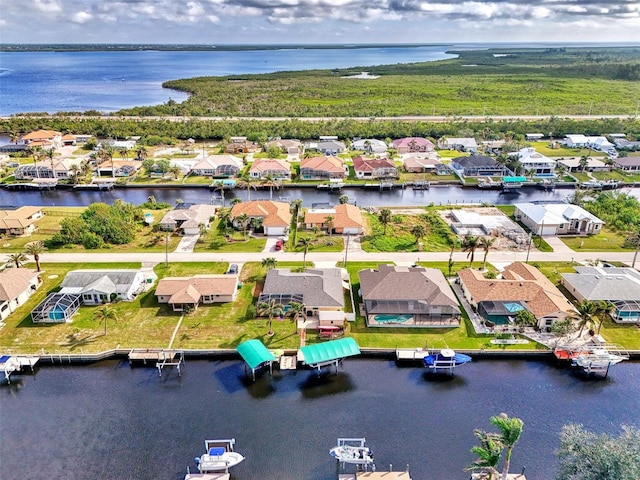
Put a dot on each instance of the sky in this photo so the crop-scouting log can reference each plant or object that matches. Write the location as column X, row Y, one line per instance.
column 318, row 21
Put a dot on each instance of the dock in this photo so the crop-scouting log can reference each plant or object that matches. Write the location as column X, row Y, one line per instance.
column 288, row 362
column 16, row 364
column 162, row 358
column 421, row 185
column 411, row 353
column 207, row 476
column 375, row 476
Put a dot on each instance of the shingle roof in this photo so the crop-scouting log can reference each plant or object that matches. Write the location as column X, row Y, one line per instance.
column 594, row 283
column 190, row 289
column 320, row 287
column 555, row 213
column 389, row 282
column 108, row 281
column 475, row 161
column 14, row 281
column 269, row 164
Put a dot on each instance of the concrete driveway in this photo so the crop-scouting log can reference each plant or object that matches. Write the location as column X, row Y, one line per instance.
column 187, row 243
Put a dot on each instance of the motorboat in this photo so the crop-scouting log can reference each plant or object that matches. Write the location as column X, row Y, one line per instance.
column 598, row 358
column 218, row 457
column 352, row 450
column 446, row 359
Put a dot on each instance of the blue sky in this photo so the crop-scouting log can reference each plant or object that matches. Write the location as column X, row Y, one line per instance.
column 318, row 21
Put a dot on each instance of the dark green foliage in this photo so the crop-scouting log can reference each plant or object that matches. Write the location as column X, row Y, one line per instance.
column 621, row 211
column 91, row 241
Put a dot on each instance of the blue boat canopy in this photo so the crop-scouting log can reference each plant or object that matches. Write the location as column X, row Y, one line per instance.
column 254, row 353
column 514, row 179
column 325, row 353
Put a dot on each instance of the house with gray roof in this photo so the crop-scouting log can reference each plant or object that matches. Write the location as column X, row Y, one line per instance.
column 189, row 219
column 479, row 166
column 395, row 296
column 620, row 286
column 100, row 286
column 557, row 219
column 16, row 287
column 630, row 163
column 319, row 289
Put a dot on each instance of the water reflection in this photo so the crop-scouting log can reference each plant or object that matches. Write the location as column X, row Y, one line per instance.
column 325, row 384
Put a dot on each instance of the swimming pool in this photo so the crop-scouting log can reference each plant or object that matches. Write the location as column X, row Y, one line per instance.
column 392, row 318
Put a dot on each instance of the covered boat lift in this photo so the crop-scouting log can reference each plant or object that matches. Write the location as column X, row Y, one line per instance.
column 256, row 355
column 329, row 353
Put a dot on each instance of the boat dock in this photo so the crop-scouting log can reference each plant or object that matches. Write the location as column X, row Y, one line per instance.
column 411, row 354
column 207, row 476
column 15, row 364
column 288, row 362
column 162, row 358
column 375, row 476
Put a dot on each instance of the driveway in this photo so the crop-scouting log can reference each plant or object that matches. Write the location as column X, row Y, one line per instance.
column 187, row 243
column 270, row 245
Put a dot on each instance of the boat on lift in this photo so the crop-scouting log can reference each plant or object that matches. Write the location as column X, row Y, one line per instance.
column 218, row 457
column 445, row 360
column 352, row 450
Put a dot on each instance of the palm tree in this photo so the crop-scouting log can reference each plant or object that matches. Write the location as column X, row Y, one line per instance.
column 269, row 181
column 304, row 242
column 486, row 244
column 270, row 309
column 510, row 431
column 244, row 221
column 384, row 217
column 488, row 452
column 583, row 163
column 174, row 171
column 106, row 154
column 105, row 314
column 633, row 240
column 17, row 259
column 295, row 311
column 586, row 311
column 141, row 152
column 75, row 172
column 36, row 153
column 605, row 309
column 418, row 231
column 343, row 199
column 248, row 182
column 35, row 249
column 469, row 244
column 50, row 153
column 14, row 136
column 328, row 222
column 224, row 214
column 269, row 263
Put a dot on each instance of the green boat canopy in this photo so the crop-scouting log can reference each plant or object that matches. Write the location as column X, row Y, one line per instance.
column 254, row 353
column 325, row 353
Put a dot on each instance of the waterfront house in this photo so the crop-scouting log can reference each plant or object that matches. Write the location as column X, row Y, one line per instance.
column 241, row 145
column 186, row 293
column 424, row 164
column 118, row 168
column 21, row 221
column 462, row 144
column 413, row 145
column 322, row 168
column 592, row 165
column 630, row 163
column 407, row 296
column 374, row 168
column 347, row 219
column 188, row 219
column 520, row 287
column 69, row 140
column 329, row 146
column 16, row 287
column 290, row 147
column 46, row 139
column 218, row 166
column 479, row 166
column 620, row 286
column 575, row 141
column 100, row 286
column 535, row 163
column 557, row 219
column 275, row 216
column 624, row 144
column 371, row 146
column 276, row 168
column 320, row 290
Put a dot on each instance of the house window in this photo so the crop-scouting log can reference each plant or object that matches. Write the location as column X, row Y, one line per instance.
column 561, row 226
column 87, row 297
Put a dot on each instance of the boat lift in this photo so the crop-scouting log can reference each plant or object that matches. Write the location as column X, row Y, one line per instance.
column 15, row 363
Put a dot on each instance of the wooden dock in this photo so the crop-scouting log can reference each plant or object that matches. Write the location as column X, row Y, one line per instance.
column 411, row 353
column 162, row 358
column 375, row 476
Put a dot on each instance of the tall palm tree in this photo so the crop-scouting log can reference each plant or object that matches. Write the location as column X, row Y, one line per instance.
column 605, row 308
column 583, row 163
column 384, row 217
column 74, row 169
column 105, row 314
column 224, row 214
column 418, row 231
column 36, row 153
column 295, row 311
column 510, row 431
column 17, row 259
column 50, row 154
column 488, row 452
column 244, row 221
column 141, row 152
column 469, row 245
column 304, row 242
column 328, row 222
column 586, row 311
column 270, row 309
column 269, row 181
column 106, row 154
column 486, row 243
column 269, row 263
column 35, row 249
column 248, row 182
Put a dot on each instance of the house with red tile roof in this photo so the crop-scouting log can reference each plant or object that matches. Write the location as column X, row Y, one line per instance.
column 413, row 145
column 347, row 219
column 186, row 293
column 373, row 168
column 521, row 287
column 322, row 168
column 276, row 168
column 275, row 216
column 43, row 138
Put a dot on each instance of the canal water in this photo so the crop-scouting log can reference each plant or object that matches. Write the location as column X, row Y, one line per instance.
column 110, row 421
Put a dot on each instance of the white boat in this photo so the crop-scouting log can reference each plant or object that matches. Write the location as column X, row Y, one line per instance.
column 218, row 457
column 352, row 450
column 598, row 358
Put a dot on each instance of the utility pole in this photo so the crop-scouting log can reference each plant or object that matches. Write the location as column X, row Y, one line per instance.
column 166, row 250
column 346, row 251
column 529, row 247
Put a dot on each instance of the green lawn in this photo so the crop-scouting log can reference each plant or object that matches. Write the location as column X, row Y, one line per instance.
column 606, row 241
column 452, row 154
column 562, row 151
column 626, row 335
column 619, row 175
column 215, row 240
column 398, row 237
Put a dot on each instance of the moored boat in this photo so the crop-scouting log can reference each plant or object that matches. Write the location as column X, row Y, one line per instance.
column 219, row 456
column 352, row 450
column 446, row 359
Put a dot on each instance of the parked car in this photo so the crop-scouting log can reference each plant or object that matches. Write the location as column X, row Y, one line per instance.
column 279, row 245
column 233, row 269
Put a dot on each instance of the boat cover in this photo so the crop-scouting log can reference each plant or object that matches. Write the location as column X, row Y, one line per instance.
column 254, row 353
column 328, row 351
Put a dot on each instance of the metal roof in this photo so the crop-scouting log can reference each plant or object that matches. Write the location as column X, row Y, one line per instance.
column 254, row 353
column 328, row 351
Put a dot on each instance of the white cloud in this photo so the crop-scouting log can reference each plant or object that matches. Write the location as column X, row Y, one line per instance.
column 81, row 17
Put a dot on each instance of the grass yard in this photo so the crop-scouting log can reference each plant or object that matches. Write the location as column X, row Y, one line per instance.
column 215, row 240
column 562, row 151
column 606, row 241
column 619, row 175
column 320, row 242
column 626, row 335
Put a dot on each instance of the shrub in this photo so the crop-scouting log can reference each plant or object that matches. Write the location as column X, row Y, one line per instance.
column 91, row 241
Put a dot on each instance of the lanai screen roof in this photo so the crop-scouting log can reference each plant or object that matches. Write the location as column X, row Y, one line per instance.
column 254, row 353
column 332, row 350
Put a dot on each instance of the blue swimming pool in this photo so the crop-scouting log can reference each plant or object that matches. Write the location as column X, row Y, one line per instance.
column 392, row 318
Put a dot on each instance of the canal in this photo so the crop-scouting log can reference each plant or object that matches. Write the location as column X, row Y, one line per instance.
column 110, row 421
column 438, row 195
